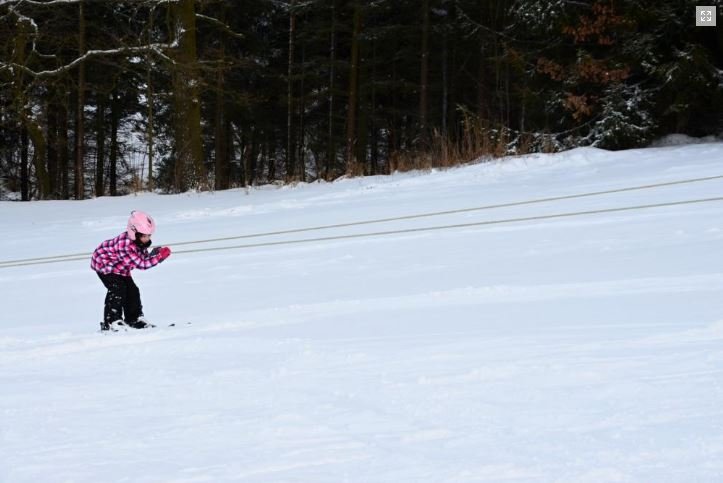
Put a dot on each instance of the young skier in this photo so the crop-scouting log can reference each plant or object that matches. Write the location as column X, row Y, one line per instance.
column 113, row 261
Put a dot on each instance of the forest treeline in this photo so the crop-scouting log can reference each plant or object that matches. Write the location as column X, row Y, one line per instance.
column 218, row 94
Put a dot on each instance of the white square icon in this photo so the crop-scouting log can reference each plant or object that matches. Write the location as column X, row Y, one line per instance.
column 705, row 16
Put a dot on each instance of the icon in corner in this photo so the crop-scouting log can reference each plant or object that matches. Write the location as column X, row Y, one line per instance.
column 705, row 16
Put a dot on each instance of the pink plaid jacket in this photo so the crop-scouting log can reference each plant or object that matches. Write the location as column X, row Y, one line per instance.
column 120, row 255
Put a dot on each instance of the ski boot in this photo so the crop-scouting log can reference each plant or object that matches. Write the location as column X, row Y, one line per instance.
column 114, row 326
column 141, row 323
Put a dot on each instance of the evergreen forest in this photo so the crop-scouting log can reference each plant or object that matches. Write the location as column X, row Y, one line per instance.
column 102, row 98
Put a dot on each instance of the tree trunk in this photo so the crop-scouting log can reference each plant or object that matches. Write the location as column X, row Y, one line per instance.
column 114, row 121
column 229, row 149
column 290, row 142
column 24, row 175
column 243, row 173
column 374, row 145
column 100, row 147
column 189, row 168
column 445, row 83
column 149, row 99
column 351, row 122
column 37, row 137
column 63, row 149
column 264, row 167
column 79, row 129
column 482, row 104
column 28, row 126
column 52, row 137
column 362, row 108
column 221, row 125
column 394, row 127
column 221, row 148
column 251, row 165
column 272, row 155
column 452, row 124
column 302, row 105
column 424, row 77
column 331, row 147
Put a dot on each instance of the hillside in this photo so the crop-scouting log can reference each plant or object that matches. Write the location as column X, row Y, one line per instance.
column 581, row 348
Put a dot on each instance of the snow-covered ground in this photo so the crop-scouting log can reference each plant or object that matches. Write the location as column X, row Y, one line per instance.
column 581, row 349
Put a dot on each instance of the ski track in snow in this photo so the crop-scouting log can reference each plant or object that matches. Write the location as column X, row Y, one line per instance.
column 576, row 350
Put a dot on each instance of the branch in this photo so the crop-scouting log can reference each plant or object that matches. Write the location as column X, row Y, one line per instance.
column 54, row 3
column 48, row 3
column 223, row 26
column 155, row 48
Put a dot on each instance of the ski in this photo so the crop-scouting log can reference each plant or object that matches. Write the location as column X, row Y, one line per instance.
column 122, row 327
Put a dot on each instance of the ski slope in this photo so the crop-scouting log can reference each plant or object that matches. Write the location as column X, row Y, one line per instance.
column 577, row 349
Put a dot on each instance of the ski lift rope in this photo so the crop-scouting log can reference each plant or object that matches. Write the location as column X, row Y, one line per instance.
column 83, row 256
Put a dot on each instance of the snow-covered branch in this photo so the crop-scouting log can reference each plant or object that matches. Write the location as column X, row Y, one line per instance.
column 55, row 3
column 49, row 3
column 218, row 23
column 154, row 48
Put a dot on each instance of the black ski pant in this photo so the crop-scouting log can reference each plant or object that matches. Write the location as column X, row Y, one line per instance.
column 123, row 300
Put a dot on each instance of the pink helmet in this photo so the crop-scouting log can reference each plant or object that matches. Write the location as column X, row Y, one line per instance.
column 140, row 222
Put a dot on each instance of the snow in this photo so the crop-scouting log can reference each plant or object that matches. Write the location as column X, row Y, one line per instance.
column 583, row 349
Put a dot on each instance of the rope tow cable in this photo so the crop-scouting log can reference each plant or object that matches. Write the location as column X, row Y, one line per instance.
column 78, row 256
column 409, row 230
column 450, row 212
column 458, row 225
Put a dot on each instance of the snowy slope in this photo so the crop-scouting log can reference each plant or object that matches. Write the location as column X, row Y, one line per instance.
column 580, row 349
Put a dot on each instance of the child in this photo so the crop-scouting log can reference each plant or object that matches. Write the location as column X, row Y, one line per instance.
column 113, row 261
